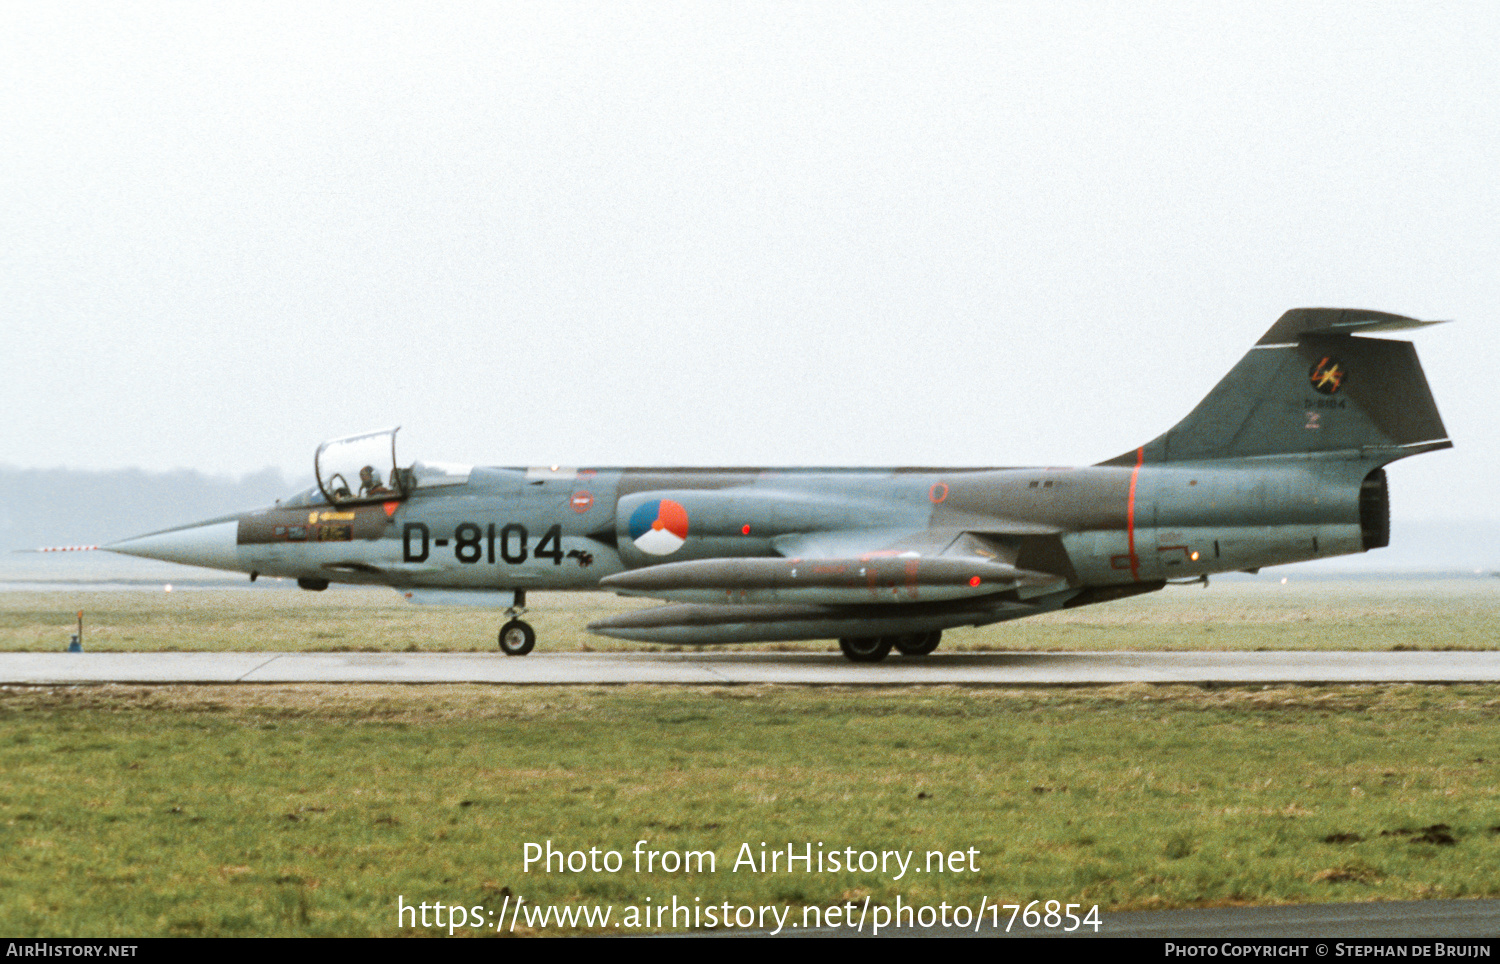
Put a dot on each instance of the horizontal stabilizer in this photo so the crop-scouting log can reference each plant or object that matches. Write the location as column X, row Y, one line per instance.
column 1300, row 322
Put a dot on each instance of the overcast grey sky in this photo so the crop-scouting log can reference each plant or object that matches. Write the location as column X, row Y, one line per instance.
column 692, row 233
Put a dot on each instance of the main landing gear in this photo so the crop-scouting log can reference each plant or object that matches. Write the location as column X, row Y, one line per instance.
column 517, row 638
column 873, row 649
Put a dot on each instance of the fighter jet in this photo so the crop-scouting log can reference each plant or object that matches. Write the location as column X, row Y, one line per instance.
column 1282, row 462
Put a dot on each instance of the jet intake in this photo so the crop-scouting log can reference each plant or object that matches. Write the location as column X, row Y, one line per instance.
column 880, row 579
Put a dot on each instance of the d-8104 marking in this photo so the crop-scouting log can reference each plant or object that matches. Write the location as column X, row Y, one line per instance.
column 472, row 544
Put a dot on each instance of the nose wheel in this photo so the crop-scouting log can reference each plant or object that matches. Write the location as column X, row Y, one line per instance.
column 517, row 638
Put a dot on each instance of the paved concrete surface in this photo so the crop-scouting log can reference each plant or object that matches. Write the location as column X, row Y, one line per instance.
column 708, row 668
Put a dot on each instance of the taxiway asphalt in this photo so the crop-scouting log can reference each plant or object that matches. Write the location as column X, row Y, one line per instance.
column 710, row 668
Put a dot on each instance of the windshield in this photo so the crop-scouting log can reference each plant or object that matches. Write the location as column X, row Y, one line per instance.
column 360, row 468
column 307, row 497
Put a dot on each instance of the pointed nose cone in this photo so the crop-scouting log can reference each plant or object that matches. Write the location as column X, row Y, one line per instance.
column 213, row 544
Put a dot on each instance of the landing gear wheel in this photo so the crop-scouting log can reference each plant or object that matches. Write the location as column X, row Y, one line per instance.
column 919, row 644
column 866, row 649
column 517, row 638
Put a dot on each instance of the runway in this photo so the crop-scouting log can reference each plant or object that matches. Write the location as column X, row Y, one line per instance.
column 710, row 668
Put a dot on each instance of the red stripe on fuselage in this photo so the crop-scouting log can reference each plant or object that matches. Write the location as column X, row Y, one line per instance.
column 1135, row 560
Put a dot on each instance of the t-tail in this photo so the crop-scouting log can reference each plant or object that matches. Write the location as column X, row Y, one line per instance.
column 1312, row 385
column 1297, row 435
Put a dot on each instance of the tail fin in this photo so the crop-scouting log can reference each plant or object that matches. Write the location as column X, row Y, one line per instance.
column 1311, row 385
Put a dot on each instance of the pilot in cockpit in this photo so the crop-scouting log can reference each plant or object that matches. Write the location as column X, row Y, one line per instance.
column 369, row 482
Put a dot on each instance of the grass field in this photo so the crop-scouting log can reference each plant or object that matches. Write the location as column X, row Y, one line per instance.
column 311, row 810
column 308, row 810
column 1329, row 614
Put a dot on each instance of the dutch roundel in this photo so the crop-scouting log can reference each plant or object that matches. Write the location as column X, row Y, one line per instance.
column 659, row 527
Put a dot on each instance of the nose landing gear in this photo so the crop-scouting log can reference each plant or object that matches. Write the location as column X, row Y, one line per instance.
column 517, row 638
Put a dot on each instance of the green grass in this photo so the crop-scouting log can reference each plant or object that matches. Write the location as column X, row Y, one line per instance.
column 1344, row 615
column 307, row 810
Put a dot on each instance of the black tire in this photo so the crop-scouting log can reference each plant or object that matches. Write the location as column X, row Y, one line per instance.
column 517, row 638
column 919, row 644
column 866, row 649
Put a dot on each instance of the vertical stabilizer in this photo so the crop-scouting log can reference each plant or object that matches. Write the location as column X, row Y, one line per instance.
column 1312, row 384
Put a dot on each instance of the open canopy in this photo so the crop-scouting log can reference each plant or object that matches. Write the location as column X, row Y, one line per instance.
column 360, row 468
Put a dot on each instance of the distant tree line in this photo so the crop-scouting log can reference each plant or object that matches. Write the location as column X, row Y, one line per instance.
column 54, row 507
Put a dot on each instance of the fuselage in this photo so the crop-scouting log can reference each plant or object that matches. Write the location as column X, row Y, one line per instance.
column 566, row 529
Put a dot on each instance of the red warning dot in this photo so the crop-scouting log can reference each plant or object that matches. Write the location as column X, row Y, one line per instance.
column 745, row 529
column 973, row 580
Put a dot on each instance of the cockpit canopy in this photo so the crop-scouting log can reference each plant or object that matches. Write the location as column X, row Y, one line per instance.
column 361, row 468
